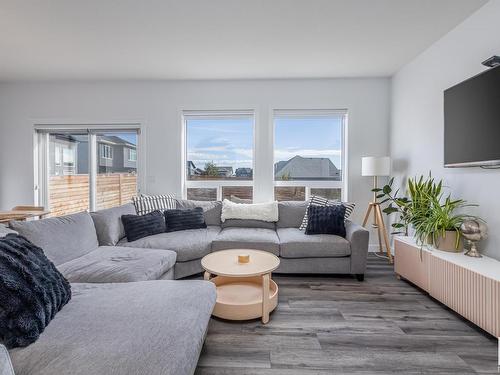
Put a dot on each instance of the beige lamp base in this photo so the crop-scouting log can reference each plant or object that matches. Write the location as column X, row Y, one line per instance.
column 378, row 222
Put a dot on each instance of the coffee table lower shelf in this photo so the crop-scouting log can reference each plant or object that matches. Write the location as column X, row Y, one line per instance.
column 240, row 298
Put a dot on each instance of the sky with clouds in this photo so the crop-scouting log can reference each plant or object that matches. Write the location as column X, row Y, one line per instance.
column 229, row 142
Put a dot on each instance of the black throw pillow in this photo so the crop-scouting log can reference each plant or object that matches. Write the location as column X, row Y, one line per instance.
column 139, row 226
column 32, row 291
column 326, row 220
column 192, row 218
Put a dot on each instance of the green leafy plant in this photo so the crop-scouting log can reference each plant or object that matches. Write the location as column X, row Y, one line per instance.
column 211, row 169
column 441, row 217
column 409, row 208
column 396, row 204
column 426, row 209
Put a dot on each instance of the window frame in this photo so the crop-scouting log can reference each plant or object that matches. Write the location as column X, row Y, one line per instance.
column 105, row 149
column 186, row 115
column 130, row 153
column 41, row 156
column 315, row 184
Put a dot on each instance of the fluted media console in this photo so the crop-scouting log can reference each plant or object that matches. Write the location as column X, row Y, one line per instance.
column 469, row 286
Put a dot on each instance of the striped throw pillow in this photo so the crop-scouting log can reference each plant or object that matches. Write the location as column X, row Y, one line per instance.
column 319, row 201
column 145, row 204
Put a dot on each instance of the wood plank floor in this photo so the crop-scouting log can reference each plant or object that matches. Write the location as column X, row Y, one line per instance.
column 337, row 325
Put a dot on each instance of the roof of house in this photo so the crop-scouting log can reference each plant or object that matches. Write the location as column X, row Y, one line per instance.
column 109, row 139
column 299, row 167
column 113, row 139
column 225, row 169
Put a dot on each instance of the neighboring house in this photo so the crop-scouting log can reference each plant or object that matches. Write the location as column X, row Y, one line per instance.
column 192, row 170
column 115, row 155
column 63, row 155
column 244, row 172
column 69, row 155
column 300, row 168
column 225, row 171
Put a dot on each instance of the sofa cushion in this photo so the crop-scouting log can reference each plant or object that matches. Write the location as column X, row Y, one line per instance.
column 140, row 226
column 320, row 201
column 253, row 211
column 108, row 223
column 326, row 220
column 291, row 214
column 116, row 264
column 188, row 244
column 62, row 238
column 248, row 223
column 294, row 243
column 247, row 238
column 147, row 327
column 145, row 204
column 190, row 218
column 211, row 209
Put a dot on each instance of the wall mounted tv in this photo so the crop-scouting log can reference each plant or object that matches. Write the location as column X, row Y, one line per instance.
column 472, row 121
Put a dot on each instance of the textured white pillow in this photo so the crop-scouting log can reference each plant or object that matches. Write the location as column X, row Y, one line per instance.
column 253, row 211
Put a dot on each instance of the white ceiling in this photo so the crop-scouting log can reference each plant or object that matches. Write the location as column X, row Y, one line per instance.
column 218, row 39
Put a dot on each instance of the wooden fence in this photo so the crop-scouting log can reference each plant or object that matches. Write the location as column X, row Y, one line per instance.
column 69, row 194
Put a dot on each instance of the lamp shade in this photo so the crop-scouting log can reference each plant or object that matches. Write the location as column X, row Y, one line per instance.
column 376, row 166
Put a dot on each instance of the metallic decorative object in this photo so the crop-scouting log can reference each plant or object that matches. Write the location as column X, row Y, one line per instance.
column 473, row 231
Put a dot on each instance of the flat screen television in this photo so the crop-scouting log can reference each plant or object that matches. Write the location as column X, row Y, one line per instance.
column 472, row 121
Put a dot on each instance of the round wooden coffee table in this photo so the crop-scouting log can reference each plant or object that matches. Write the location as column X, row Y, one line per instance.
column 244, row 290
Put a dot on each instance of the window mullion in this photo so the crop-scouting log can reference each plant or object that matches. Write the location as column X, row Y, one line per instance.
column 43, row 173
column 92, row 170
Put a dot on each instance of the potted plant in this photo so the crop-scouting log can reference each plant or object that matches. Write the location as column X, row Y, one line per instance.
column 440, row 226
column 435, row 218
column 412, row 208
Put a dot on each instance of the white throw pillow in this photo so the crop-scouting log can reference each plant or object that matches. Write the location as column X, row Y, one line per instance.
column 253, row 211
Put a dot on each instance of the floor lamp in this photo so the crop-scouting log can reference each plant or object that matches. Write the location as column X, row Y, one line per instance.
column 377, row 167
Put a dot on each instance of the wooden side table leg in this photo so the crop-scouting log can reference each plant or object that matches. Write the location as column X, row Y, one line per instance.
column 265, row 297
column 206, row 276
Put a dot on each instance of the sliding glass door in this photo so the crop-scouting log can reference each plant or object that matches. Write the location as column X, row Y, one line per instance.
column 116, row 168
column 86, row 169
column 68, row 174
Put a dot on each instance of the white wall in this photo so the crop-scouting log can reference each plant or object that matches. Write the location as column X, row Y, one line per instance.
column 417, row 113
column 157, row 105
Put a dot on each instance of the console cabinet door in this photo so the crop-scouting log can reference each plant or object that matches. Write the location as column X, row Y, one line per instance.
column 412, row 264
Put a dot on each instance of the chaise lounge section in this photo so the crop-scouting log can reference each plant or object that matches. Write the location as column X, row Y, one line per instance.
column 101, row 332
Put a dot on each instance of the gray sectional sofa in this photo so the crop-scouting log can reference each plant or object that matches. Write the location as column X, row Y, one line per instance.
column 298, row 252
column 93, row 247
column 122, row 320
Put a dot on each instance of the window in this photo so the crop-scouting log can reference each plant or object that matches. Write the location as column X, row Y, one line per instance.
column 309, row 154
column 132, row 154
column 76, row 170
column 219, row 154
column 106, row 151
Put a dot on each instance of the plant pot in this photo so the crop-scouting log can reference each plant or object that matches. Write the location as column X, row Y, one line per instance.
column 447, row 243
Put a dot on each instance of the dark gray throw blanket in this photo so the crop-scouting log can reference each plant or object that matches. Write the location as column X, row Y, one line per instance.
column 32, row 291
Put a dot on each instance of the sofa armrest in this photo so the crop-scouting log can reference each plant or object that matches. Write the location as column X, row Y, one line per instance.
column 5, row 364
column 358, row 238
